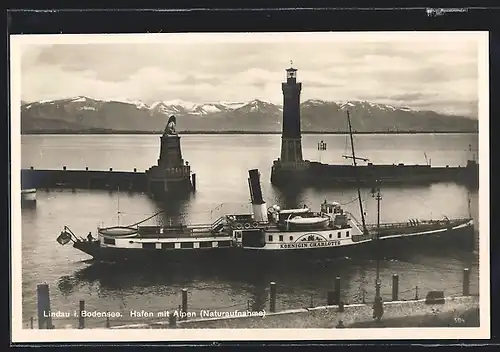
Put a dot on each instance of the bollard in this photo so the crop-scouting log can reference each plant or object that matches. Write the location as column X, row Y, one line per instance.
column 466, row 282
column 193, row 181
column 341, row 306
column 272, row 298
column 43, row 303
column 81, row 318
column 395, row 287
column 31, row 322
column 64, row 168
column 172, row 320
column 337, row 290
column 416, row 292
column 184, row 301
column 330, row 298
column 108, row 325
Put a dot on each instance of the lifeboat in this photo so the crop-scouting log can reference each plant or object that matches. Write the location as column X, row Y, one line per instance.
column 308, row 222
column 118, row 231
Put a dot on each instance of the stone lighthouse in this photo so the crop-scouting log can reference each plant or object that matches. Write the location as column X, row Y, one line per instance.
column 291, row 162
column 291, row 138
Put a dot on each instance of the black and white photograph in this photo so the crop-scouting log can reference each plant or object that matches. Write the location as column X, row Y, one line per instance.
column 250, row 186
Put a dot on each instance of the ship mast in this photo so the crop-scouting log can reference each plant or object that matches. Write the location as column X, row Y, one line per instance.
column 354, row 161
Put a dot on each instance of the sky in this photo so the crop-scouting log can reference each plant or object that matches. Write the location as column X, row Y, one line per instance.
column 426, row 72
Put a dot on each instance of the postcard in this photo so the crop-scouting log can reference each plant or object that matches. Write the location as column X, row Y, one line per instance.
column 250, row 186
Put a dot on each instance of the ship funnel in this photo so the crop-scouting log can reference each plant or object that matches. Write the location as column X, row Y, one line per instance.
column 258, row 204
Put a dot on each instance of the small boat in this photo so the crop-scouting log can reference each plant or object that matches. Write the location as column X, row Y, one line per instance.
column 310, row 221
column 28, row 195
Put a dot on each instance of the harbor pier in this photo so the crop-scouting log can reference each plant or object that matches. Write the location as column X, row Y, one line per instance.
column 292, row 170
column 458, row 306
column 171, row 173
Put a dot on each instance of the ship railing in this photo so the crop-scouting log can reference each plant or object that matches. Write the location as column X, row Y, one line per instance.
column 217, row 222
column 420, row 222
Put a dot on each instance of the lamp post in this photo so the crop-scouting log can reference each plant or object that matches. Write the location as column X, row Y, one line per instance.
column 378, row 309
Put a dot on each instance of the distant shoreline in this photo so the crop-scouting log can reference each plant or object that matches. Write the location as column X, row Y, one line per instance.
column 108, row 132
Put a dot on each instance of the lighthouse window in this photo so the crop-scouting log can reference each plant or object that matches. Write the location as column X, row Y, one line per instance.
column 281, row 238
column 109, row 241
column 338, row 234
column 270, row 238
column 186, row 244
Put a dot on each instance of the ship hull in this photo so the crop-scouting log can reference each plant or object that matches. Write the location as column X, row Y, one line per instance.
column 448, row 239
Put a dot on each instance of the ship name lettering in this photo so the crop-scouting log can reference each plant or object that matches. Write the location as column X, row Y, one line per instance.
column 309, row 244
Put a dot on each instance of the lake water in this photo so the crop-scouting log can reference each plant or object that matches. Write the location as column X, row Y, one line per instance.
column 221, row 163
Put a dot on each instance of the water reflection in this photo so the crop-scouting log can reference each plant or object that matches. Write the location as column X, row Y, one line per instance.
column 255, row 276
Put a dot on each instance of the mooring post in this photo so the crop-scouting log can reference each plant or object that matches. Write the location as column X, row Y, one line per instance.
column 416, row 292
column 272, row 298
column 31, row 322
column 337, row 290
column 81, row 318
column 172, row 320
column 43, row 303
column 193, row 181
column 395, row 287
column 466, row 282
column 184, row 300
column 330, row 298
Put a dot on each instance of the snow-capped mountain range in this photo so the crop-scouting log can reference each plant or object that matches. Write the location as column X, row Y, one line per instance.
column 179, row 106
column 83, row 113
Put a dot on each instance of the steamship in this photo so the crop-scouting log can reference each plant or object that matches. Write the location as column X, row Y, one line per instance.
column 269, row 233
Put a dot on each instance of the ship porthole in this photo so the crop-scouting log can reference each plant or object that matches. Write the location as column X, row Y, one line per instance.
column 130, row 241
column 330, row 235
column 291, row 238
